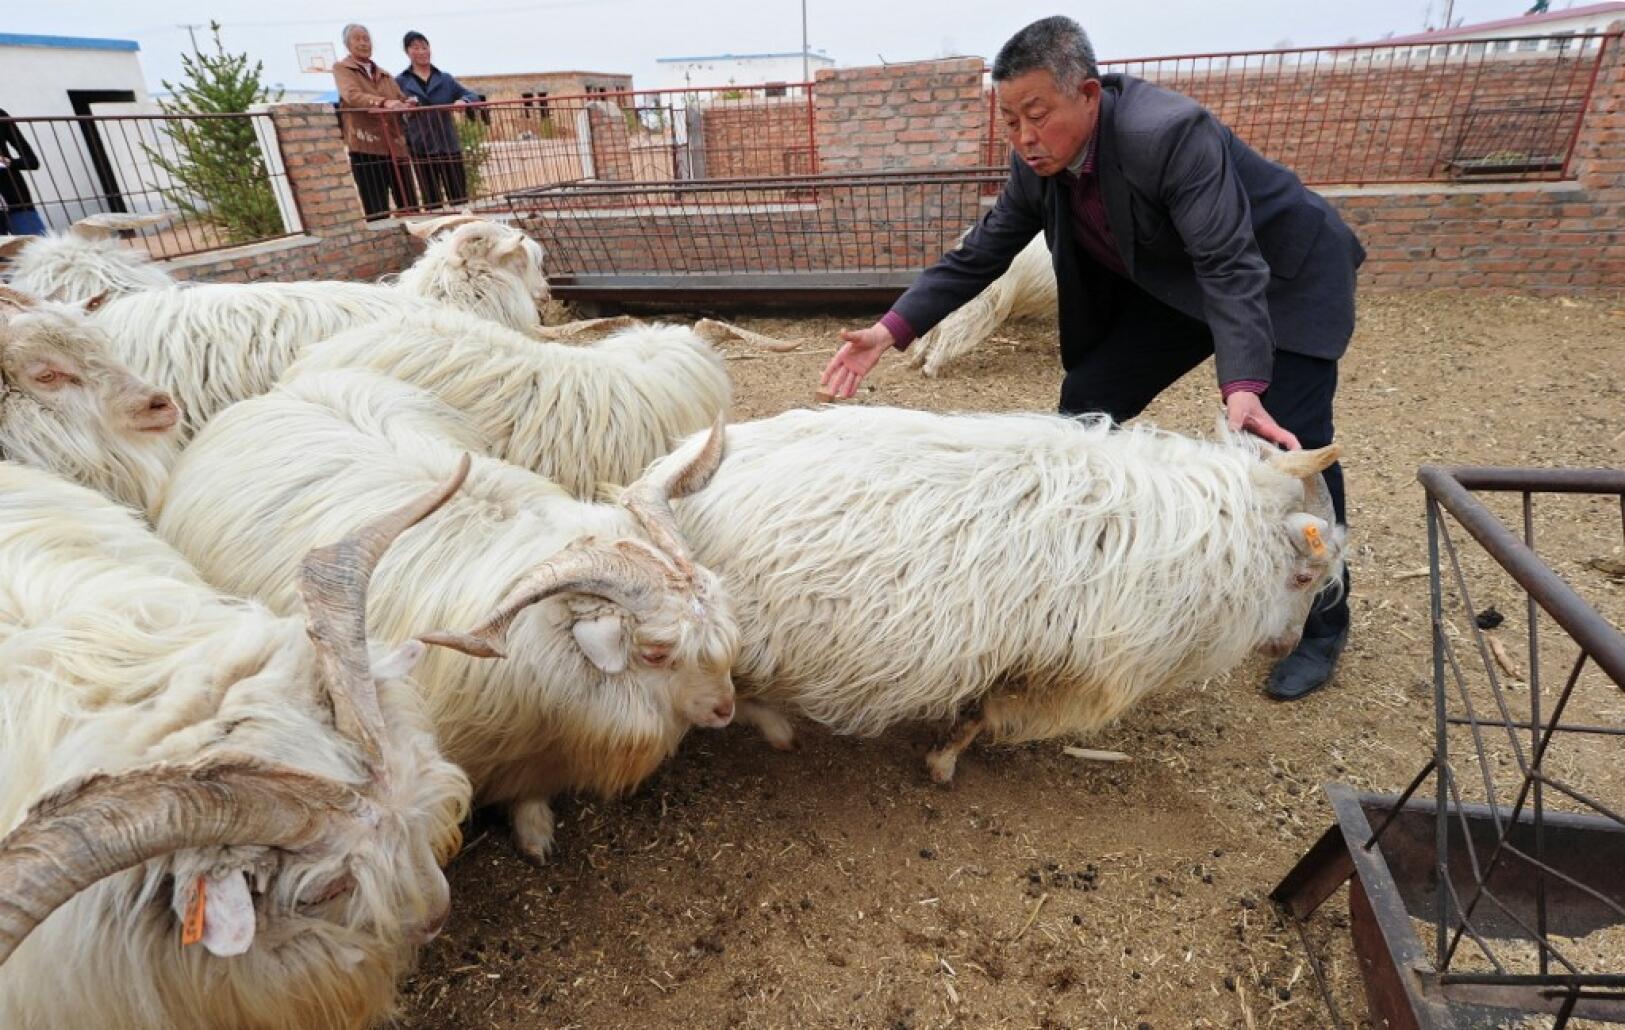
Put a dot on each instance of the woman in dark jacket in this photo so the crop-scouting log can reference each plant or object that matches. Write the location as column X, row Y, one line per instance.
column 437, row 153
column 17, row 214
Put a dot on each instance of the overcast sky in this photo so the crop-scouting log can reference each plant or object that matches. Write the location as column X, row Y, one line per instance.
column 628, row 35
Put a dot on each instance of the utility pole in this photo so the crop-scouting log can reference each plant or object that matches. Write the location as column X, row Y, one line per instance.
column 806, row 76
column 191, row 30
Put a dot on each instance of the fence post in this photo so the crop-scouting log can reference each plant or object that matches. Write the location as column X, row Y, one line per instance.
column 318, row 166
column 1599, row 152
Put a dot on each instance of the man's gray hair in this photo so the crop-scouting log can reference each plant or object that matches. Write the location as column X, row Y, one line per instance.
column 344, row 37
column 1057, row 45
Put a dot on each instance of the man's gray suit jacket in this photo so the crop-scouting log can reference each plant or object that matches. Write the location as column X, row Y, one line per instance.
column 1203, row 224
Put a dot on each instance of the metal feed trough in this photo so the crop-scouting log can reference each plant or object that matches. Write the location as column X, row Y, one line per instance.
column 1498, row 879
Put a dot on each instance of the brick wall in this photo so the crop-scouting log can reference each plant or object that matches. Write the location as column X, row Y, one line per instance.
column 611, row 143
column 916, row 115
column 1542, row 237
column 1391, row 121
column 337, row 242
column 769, row 137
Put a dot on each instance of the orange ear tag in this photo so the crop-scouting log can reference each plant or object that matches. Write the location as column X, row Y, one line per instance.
column 192, row 925
column 1317, row 546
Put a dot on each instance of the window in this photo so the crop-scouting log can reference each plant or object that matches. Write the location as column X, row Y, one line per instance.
column 777, row 89
column 1526, row 45
column 1501, row 46
column 535, row 104
column 1561, row 40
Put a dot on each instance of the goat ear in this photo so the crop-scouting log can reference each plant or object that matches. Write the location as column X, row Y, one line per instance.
column 1309, row 534
column 602, row 641
column 399, row 661
column 95, row 303
column 224, row 906
column 1303, row 464
column 17, row 300
column 11, row 246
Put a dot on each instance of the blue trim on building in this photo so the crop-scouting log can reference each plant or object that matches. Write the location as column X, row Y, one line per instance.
column 738, row 57
column 68, row 42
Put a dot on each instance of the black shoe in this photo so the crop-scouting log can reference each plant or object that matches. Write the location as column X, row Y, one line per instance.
column 1308, row 668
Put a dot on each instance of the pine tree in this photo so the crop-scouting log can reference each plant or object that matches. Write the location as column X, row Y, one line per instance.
column 216, row 164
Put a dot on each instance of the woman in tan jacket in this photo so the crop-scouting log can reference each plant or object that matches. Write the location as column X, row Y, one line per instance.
column 376, row 143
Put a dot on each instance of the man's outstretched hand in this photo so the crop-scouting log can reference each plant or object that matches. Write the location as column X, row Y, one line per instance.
column 1244, row 411
column 860, row 352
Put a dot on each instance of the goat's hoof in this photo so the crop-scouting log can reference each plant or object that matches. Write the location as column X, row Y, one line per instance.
column 941, row 765
column 533, row 831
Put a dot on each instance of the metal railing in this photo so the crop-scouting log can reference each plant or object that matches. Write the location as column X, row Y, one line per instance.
column 1519, row 856
column 869, row 230
column 1478, row 109
column 492, row 150
column 221, row 175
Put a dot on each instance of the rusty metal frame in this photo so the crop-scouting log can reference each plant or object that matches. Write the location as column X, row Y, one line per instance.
column 1484, row 872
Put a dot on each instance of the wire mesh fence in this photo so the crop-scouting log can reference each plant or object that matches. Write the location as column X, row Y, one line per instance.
column 221, row 176
column 1481, row 109
column 494, row 150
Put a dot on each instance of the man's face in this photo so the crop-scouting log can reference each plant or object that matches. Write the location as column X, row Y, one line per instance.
column 1047, row 126
column 359, row 43
column 418, row 51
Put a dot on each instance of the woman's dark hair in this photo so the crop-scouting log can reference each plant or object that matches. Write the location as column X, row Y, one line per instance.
column 413, row 37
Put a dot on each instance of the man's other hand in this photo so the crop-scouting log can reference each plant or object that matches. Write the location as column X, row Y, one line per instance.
column 1245, row 411
column 860, row 352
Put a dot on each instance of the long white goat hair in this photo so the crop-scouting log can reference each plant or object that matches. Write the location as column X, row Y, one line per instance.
column 75, row 269
column 114, row 656
column 577, row 415
column 276, row 472
column 891, row 565
column 1025, row 290
column 212, row 345
column 484, row 268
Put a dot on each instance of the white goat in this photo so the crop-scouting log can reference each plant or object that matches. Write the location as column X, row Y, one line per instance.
column 214, row 344
column 181, row 768
column 632, row 646
column 67, row 405
column 1032, row 574
column 577, row 415
column 1025, row 290
column 86, row 261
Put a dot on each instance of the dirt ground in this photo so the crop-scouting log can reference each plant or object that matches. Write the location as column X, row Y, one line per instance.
column 836, row 886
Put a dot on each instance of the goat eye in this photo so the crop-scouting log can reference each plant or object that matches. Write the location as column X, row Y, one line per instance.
column 45, row 377
column 655, row 657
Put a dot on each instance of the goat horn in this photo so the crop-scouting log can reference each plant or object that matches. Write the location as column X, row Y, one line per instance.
column 429, row 227
column 11, row 246
column 17, row 299
column 712, row 331
column 649, row 499
column 593, row 569
column 333, row 583
column 103, row 824
column 101, row 226
column 1304, row 464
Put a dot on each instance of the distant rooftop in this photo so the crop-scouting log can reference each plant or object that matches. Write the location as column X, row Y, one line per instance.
column 1533, row 22
column 741, row 57
column 68, row 42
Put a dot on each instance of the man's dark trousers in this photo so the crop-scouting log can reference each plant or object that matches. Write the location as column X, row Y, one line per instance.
column 1148, row 346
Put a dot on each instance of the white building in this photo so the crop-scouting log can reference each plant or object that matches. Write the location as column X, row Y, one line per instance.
column 1504, row 34
column 718, row 70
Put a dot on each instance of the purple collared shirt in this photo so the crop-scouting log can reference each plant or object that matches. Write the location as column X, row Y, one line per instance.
column 1089, row 225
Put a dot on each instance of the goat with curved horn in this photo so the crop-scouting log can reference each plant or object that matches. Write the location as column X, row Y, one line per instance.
column 333, row 584
column 613, row 574
column 649, row 499
column 104, row 824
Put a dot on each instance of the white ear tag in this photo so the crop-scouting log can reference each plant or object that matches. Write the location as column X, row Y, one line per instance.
column 228, row 914
column 600, row 640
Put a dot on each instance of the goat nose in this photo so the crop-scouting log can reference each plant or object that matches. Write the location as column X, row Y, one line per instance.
column 160, row 402
column 724, row 711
